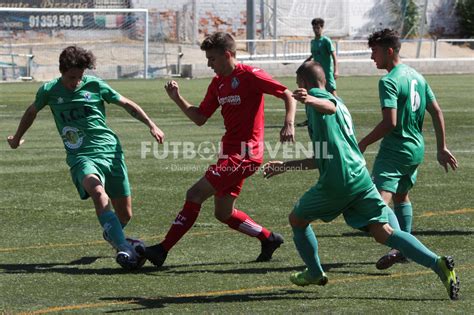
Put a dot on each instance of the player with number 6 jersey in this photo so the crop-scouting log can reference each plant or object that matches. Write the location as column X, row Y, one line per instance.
column 406, row 91
column 344, row 187
column 404, row 97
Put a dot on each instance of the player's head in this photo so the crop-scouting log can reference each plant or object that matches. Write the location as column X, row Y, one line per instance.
column 73, row 60
column 310, row 75
column 220, row 51
column 318, row 25
column 385, row 46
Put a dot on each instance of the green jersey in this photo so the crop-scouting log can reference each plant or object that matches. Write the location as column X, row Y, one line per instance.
column 321, row 50
column 338, row 158
column 408, row 92
column 80, row 117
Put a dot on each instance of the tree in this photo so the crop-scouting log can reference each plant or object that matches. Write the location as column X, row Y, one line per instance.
column 465, row 10
column 411, row 19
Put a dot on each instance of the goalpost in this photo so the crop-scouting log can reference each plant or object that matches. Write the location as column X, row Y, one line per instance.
column 117, row 37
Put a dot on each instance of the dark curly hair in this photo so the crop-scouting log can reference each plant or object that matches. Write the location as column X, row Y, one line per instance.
column 221, row 41
column 76, row 57
column 386, row 38
column 318, row 21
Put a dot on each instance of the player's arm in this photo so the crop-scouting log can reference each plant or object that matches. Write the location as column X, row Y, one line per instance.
column 321, row 105
column 336, row 67
column 445, row 157
column 138, row 113
column 287, row 133
column 191, row 111
column 273, row 168
column 25, row 123
column 389, row 121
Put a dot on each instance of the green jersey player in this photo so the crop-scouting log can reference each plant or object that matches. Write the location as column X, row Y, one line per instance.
column 344, row 187
column 404, row 98
column 94, row 154
column 322, row 51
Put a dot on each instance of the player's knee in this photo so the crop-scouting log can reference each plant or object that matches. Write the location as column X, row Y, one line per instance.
column 98, row 194
column 400, row 198
column 380, row 232
column 194, row 194
column 296, row 222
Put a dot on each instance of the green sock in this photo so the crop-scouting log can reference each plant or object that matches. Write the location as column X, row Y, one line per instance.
column 413, row 249
column 307, row 246
column 111, row 225
column 392, row 220
column 404, row 212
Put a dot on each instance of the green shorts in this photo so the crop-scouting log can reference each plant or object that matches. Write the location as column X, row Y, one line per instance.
column 112, row 172
column 330, row 83
column 358, row 210
column 391, row 176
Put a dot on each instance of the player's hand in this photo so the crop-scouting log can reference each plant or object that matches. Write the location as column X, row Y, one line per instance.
column 14, row 142
column 172, row 88
column 336, row 75
column 446, row 158
column 273, row 168
column 287, row 133
column 362, row 147
column 157, row 133
column 300, row 95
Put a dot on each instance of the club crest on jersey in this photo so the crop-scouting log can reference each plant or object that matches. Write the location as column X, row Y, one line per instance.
column 60, row 100
column 87, row 96
column 72, row 137
column 235, row 83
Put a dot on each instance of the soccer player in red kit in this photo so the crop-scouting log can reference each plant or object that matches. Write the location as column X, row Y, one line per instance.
column 238, row 89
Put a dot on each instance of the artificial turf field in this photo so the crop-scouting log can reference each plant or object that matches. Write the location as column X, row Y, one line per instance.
column 53, row 258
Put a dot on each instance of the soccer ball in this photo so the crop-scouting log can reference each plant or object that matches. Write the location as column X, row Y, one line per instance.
column 135, row 242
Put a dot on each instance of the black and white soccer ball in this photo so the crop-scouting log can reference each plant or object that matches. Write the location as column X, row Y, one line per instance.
column 135, row 242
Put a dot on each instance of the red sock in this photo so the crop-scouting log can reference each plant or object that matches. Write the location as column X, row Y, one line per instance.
column 183, row 222
column 241, row 222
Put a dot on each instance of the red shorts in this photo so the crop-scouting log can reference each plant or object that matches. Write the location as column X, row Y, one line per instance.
column 227, row 175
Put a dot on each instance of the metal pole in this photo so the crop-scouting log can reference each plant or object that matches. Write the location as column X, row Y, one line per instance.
column 262, row 18
column 195, row 23
column 178, row 27
column 251, row 26
column 275, row 28
column 422, row 29
column 146, row 45
column 404, row 12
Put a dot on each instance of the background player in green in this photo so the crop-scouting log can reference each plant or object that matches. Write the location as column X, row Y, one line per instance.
column 344, row 187
column 94, row 153
column 404, row 97
column 322, row 51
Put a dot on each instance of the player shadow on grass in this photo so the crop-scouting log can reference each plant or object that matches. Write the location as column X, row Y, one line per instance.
column 74, row 267
column 280, row 295
column 71, row 268
column 163, row 301
column 333, row 267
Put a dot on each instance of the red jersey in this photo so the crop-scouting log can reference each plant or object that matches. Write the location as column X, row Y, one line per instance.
column 240, row 95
